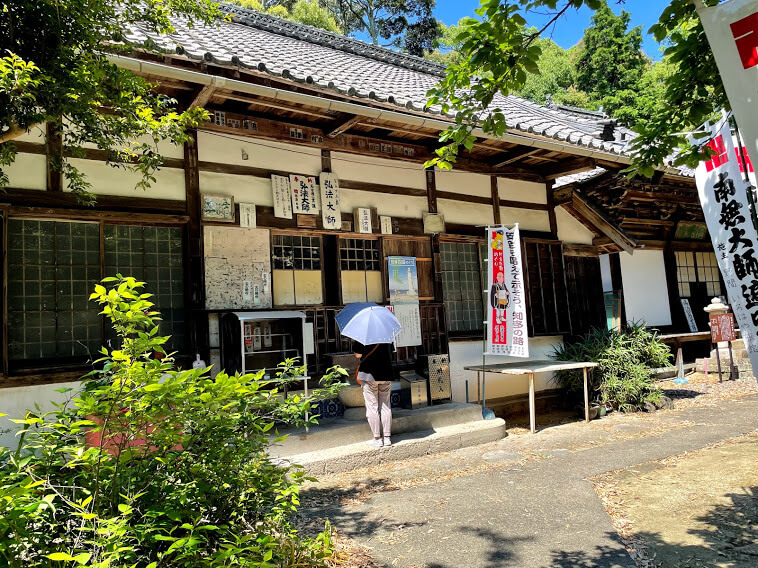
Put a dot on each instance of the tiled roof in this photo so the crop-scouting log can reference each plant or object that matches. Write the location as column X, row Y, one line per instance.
column 304, row 54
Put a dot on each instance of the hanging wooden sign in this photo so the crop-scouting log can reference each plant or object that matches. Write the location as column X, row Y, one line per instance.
column 303, row 192
column 330, row 201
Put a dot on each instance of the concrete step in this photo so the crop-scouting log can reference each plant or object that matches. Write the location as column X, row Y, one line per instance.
column 404, row 446
column 340, row 432
column 736, row 354
column 743, row 366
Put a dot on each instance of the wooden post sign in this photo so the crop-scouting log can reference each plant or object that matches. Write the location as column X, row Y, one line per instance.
column 722, row 328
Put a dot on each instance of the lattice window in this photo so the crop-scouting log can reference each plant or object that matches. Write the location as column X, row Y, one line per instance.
column 52, row 268
column 360, row 271
column 694, row 267
column 297, row 277
column 153, row 255
column 462, row 285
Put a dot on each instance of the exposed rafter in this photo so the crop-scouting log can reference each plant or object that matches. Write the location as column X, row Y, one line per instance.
column 344, row 126
column 566, row 167
column 513, row 156
column 202, row 96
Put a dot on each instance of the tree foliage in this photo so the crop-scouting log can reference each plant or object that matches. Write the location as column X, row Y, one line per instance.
column 53, row 71
column 308, row 12
column 151, row 466
column 664, row 101
column 406, row 24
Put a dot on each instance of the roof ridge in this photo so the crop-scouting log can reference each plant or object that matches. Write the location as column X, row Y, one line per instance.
column 318, row 36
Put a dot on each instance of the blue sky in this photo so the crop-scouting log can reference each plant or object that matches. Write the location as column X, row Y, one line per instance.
column 570, row 28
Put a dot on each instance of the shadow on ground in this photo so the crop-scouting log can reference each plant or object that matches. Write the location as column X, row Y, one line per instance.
column 726, row 536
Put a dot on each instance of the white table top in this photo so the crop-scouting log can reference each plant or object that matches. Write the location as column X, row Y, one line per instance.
column 526, row 367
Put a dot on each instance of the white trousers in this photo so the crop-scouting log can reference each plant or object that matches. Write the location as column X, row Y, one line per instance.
column 378, row 409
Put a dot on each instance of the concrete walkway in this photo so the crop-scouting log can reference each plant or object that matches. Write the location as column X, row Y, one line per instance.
column 523, row 501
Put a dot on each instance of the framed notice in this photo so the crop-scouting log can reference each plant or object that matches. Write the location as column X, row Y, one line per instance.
column 247, row 215
column 409, row 316
column 722, row 328
column 217, row 207
column 403, row 279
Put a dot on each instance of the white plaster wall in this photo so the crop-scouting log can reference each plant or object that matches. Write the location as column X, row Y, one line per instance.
column 458, row 181
column 474, row 214
column 228, row 149
column 165, row 147
column 378, row 170
column 16, row 401
column 245, row 189
column 528, row 219
column 386, row 204
column 570, row 230
column 645, row 292
column 107, row 180
column 465, row 353
column 29, row 171
column 516, row 190
column 605, row 272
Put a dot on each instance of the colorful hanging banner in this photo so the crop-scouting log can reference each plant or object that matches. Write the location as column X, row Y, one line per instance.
column 723, row 196
column 506, row 303
column 732, row 31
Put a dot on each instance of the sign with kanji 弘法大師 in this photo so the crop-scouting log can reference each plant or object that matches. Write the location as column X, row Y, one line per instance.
column 506, row 304
column 330, row 201
column 280, row 187
column 732, row 31
column 303, row 189
column 724, row 198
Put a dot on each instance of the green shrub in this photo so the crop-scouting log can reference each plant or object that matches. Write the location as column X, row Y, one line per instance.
column 623, row 377
column 175, row 470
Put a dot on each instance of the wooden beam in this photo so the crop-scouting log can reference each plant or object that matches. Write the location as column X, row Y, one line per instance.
column 575, row 214
column 344, row 126
column 580, row 250
column 196, row 320
column 4, row 261
column 495, row 193
column 202, row 96
column 431, row 191
column 111, row 203
column 53, row 155
column 513, row 156
column 524, row 205
column 566, row 167
column 113, row 217
column 278, row 106
column 605, row 225
column 326, row 161
column 551, row 208
column 94, row 154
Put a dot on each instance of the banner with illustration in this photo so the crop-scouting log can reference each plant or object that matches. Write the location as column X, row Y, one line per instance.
column 506, row 303
column 723, row 196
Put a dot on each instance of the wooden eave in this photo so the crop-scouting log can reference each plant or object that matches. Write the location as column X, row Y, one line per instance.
column 483, row 158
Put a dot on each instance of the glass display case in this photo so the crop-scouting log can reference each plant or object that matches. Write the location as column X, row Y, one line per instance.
column 251, row 341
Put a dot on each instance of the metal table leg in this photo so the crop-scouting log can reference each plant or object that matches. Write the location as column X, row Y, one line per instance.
column 531, row 403
column 586, row 398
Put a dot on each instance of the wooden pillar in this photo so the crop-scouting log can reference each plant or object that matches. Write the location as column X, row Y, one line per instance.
column 678, row 317
column 326, row 160
column 196, row 320
column 431, row 191
column 495, row 200
column 551, row 209
column 53, row 155
column 618, row 284
column 4, row 212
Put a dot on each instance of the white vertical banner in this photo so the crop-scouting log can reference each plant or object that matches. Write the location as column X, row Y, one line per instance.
column 280, row 186
column 723, row 195
column 732, row 30
column 330, row 201
column 506, row 303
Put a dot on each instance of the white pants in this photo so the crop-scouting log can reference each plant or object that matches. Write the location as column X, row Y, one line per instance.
column 378, row 409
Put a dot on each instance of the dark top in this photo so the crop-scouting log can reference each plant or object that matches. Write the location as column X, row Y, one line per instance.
column 378, row 364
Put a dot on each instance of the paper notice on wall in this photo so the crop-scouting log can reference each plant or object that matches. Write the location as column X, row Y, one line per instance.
column 402, row 276
column 506, row 304
column 724, row 198
column 303, row 192
column 331, row 217
column 280, row 187
column 409, row 317
column 247, row 215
